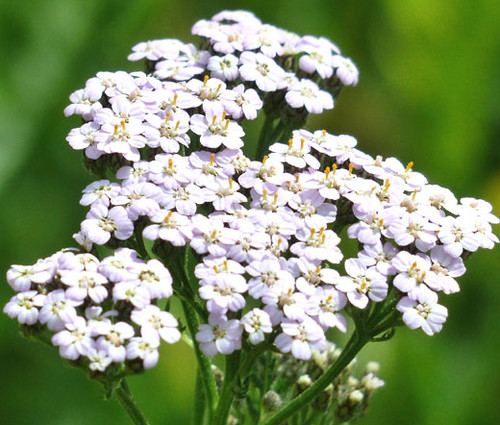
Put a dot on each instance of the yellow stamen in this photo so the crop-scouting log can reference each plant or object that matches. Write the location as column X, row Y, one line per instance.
column 318, row 269
column 167, row 117
column 414, row 194
column 264, row 194
column 214, row 119
column 409, row 167
column 218, row 88
column 170, row 163
column 177, row 125
column 351, row 167
column 264, row 159
column 279, row 243
column 290, row 143
column 230, row 183
column 302, row 141
column 205, row 79
column 324, row 133
column 224, row 115
column 227, row 124
column 413, row 266
column 334, row 168
column 387, row 185
column 321, row 230
column 167, row 217
column 225, row 265
column 216, row 270
column 117, row 126
column 212, row 156
column 123, row 124
column 174, row 102
column 323, row 237
column 214, row 233
column 327, row 171
column 313, row 231
column 275, row 198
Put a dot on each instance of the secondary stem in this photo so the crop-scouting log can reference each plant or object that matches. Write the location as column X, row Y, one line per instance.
column 204, row 363
column 127, row 401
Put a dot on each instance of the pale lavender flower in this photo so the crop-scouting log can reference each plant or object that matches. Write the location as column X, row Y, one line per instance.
column 256, row 323
column 306, row 93
column 423, row 312
column 24, row 307
column 300, row 338
column 75, row 340
column 220, row 335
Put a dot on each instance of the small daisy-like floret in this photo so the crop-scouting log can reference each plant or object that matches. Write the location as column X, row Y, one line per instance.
column 300, row 338
column 144, row 349
column 24, row 307
column 83, row 284
column 364, row 284
column 156, row 324
column 423, row 312
column 75, row 340
column 58, row 310
column 306, row 93
column 256, row 323
column 113, row 337
column 220, row 335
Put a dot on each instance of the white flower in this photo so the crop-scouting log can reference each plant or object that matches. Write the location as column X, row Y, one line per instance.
column 156, row 324
column 99, row 360
column 363, row 284
column 215, row 129
column 325, row 305
column 268, row 76
column 132, row 293
column 101, row 191
column 306, row 93
column 75, row 340
column 100, row 224
column 300, row 338
column 424, row 312
column 345, row 70
column 58, row 310
column 83, row 284
column 145, row 349
column 113, row 338
column 23, row 307
column 224, row 67
column 247, row 103
column 256, row 323
column 220, row 335
column 296, row 153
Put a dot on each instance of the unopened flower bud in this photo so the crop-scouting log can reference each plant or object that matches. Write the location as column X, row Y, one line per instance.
column 271, row 401
column 356, row 397
column 231, row 420
column 304, row 382
column 372, row 367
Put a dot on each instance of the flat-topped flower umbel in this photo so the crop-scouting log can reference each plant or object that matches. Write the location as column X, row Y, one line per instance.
column 251, row 249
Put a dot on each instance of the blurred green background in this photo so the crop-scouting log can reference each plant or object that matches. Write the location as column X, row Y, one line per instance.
column 429, row 92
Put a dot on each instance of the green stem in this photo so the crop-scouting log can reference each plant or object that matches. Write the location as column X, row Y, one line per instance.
column 199, row 407
column 127, row 401
column 204, row 364
column 353, row 346
column 227, row 394
column 265, row 136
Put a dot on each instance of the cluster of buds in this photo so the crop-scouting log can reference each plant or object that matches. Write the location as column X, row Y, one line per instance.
column 177, row 186
column 345, row 399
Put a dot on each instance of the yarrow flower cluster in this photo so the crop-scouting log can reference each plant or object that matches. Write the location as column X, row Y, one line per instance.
column 100, row 312
column 253, row 247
